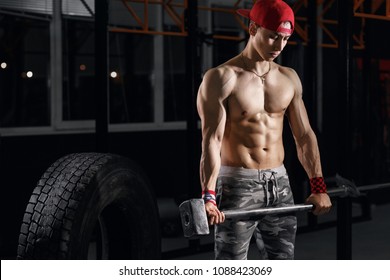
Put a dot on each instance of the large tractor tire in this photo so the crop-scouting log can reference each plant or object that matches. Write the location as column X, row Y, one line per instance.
column 91, row 206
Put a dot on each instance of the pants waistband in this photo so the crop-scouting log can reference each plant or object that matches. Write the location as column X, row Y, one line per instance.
column 247, row 173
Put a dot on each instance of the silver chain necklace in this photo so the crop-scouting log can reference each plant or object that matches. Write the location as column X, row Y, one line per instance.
column 262, row 77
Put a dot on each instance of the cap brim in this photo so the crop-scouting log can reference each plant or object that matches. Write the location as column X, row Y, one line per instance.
column 243, row 12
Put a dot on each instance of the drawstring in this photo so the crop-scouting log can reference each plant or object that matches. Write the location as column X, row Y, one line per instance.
column 266, row 189
column 270, row 180
column 275, row 186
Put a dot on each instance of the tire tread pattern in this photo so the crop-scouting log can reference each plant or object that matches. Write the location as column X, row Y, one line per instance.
column 47, row 222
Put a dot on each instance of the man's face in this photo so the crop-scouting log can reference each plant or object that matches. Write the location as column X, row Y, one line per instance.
column 268, row 43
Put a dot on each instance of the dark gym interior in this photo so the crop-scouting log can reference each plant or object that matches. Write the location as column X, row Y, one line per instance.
column 121, row 77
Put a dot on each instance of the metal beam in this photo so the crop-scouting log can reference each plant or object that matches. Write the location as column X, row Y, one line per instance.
column 375, row 11
column 101, row 74
column 193, row 72
column 344, row 228
column 300, row 7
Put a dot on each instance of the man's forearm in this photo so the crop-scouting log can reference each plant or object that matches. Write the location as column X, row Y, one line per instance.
column 309, row 155
column 210, row 165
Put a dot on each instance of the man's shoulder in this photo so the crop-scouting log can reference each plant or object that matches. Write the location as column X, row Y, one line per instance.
column 285, row 70
column 222, row 73
column 223, row 70
column 219, row 81
column 291, row 75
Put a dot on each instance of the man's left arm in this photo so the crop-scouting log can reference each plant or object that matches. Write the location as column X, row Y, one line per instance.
column 308, row 151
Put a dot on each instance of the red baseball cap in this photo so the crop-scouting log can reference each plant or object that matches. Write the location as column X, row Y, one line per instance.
column 270, row 14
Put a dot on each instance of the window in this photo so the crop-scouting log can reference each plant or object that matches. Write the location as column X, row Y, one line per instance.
column 48, row 73
column 131, row 70
column 78, row 70
column 24, row 72
column 174, row 79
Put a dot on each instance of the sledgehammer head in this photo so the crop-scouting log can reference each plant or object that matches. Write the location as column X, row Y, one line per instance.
column 193, row 217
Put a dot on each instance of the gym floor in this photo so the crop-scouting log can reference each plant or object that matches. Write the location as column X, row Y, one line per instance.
column 370, row 239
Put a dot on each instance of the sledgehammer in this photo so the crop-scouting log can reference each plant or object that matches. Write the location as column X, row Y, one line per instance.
column 194, row 218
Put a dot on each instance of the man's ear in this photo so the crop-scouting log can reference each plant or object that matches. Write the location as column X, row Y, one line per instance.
column 252, row 29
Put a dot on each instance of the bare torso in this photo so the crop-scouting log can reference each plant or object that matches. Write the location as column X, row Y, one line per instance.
column 255, row 114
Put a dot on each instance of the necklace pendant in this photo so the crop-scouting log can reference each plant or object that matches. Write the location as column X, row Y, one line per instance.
column 262, row 77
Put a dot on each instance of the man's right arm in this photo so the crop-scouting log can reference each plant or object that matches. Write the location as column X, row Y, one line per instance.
column 211, row 102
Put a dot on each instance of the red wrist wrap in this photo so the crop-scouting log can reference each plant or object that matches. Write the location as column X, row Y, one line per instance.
column 209, row 196
column 209, row 191
column 317, row 185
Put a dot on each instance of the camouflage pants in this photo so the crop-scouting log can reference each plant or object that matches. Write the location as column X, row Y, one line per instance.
column 246, row 189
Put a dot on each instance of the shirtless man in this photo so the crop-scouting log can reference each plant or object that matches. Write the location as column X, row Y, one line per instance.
column 242, row 104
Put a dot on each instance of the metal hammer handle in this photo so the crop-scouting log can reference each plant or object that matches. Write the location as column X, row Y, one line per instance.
column 241, row 214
